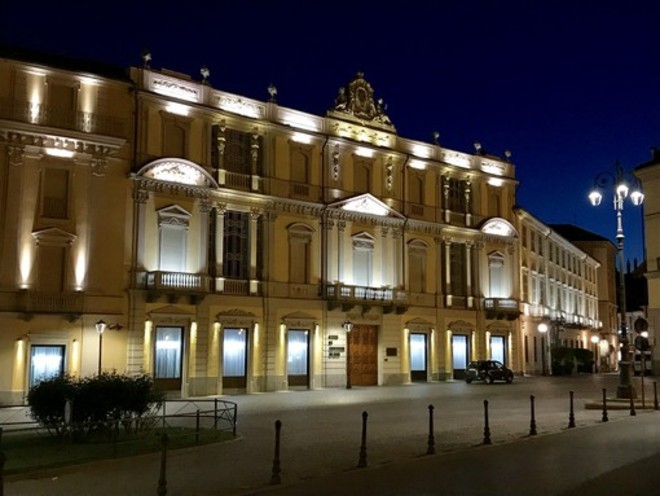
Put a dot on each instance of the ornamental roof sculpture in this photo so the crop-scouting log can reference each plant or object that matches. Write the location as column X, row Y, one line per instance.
column 356, row 101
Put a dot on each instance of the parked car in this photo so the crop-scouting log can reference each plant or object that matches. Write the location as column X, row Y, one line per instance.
column 488, row 371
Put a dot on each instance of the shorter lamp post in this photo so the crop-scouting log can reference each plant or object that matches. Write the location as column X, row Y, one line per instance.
column 348, row 327
column 595, row 340
column 100, row 329
column 543, row 329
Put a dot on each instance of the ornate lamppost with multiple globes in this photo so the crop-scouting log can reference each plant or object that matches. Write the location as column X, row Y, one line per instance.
column 621, row 191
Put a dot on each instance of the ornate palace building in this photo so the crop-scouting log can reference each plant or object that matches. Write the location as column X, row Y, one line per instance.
column 150, row 222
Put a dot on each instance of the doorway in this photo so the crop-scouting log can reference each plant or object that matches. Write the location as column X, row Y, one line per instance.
column 168, row 358
column 234, row 358
column 362, row 355
column 297, row 361
column 460, row 355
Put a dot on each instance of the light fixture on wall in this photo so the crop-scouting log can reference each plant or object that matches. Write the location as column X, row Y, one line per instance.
column 347, row 325
column 101, row 326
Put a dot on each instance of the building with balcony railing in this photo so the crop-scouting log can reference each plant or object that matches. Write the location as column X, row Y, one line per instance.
column 559, row 294
column 245, row 246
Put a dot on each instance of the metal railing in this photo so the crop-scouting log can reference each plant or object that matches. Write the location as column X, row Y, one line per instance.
column 222, row 413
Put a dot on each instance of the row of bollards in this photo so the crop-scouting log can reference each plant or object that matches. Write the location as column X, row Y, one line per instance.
column 430, row 449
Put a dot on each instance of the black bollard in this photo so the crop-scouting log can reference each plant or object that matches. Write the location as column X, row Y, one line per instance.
column 486, row 427
column 275, row 477
column 197, row 428
column 656, row 406
column 362, row 462
column 3, row 459
column 532, row 422
column 571, row 415
column 162, row 480
column 430, row 450
column 605, row 418
column 632, row 401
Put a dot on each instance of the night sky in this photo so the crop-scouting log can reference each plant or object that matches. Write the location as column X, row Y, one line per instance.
column 570, row 87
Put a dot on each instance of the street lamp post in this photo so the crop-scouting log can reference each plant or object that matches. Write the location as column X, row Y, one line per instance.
column 348, row 327
column 543, row 329
column 625, row 388
column 100, row 328
column 595, row 340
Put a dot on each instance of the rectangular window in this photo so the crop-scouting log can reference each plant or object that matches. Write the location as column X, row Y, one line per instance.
column 173, row 248
column 234, row 353
column 459, row 351
column 418, row 352
column 457, row 266
column 497, row 348
column 169, row 348
column 236, row 245
column 535, row 351
column 46, row 362
column 456, row 200
column 297, row 352
column 55, row 199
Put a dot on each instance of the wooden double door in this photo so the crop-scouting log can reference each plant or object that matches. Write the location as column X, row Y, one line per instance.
column 363, row 355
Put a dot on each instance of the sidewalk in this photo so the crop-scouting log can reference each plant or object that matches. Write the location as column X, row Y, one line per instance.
column 321, row 439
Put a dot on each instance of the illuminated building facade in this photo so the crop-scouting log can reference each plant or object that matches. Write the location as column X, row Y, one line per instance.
column 559, row 295
column 649, row 175
column 236, row 245
column 64, row 155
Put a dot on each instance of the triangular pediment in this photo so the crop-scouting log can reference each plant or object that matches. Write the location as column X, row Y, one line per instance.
column 54, row 237
column 366, row 204
column 170, row 310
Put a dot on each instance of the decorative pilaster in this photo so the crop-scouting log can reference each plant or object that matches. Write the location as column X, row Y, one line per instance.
column 397, row 254
column 389, row 174
column 468, row 195
column 468, row 273
column 445, row 194
column 220, row 145
column 386, row 250
column 254, row 156
column 335, row 164
column 341, row 269
column 220, row 210
column 331, row 256
column 16, row 155
column 255, row 213
column 204, row 208
column 447, row 247
column 99, row 166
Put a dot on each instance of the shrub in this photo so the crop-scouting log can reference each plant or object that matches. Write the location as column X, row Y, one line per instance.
column 98, row 402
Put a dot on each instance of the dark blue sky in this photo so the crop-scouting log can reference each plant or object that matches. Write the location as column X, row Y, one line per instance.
column 568, row 86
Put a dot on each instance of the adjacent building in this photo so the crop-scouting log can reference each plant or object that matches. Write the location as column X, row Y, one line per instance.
column 559, row 289
column 223, row 244
column 649, row 175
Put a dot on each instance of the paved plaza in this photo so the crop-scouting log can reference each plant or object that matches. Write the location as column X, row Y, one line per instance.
column 321, row 438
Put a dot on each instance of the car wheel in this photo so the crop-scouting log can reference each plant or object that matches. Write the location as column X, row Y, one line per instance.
column 489, row 379
column 468, row 380
column 509, row 378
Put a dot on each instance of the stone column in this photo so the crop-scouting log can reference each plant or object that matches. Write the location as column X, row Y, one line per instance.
column 468, row 273
column 220, row 210
column 204, row 209
column 254, row 219
column 341, row 269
